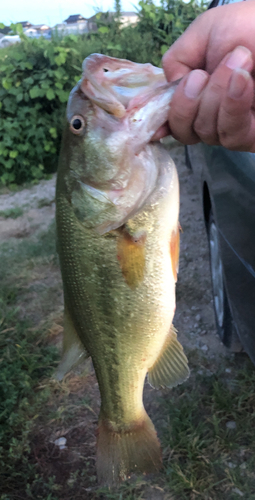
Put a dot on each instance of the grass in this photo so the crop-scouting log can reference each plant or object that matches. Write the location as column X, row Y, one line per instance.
column 12, row 213
column 45, row 202
column 208, row 459
column 202, row 457
column 25, row 359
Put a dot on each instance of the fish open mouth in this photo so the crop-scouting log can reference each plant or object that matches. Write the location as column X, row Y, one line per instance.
column 119, row 86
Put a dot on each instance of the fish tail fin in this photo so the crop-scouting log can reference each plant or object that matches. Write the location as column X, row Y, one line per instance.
column 134, row 449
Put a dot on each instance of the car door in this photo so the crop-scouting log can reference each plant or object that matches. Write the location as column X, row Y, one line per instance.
column 230, row 176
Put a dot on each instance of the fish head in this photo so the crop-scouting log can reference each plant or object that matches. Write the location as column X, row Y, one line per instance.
column 112, row 114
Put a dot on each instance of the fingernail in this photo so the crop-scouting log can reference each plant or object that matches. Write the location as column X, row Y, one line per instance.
column 238, row 83
column 195, row 83
column 238, row 58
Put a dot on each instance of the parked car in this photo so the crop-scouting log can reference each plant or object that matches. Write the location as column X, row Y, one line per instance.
column 7, row 40
column 227, row 187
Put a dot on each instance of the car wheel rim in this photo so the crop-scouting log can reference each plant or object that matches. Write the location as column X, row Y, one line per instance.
column 217, row 274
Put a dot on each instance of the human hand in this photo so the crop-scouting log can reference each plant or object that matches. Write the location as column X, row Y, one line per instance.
column 215, row 102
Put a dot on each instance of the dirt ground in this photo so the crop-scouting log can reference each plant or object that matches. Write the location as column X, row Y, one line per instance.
column 194, row 318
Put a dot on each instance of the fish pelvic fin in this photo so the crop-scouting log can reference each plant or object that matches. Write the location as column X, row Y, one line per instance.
column 133, row 449
column 171, row 367
column 73, row 351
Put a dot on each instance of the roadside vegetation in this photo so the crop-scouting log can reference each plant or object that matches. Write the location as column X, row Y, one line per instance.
column 37, row 75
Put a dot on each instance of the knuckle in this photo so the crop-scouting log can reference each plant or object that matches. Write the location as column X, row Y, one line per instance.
column 205, row 132
column 187, row 137
column 226, row 140
column 234, row 142
column 180, row 114
column 217, row 87
column 234, row 134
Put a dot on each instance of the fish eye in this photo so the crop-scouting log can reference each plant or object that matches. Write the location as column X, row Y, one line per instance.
column 77, row 124
column 105, row 70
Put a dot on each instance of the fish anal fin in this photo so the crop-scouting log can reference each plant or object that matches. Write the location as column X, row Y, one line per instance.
column 171, row 367
column 73, row 351
column 175, row 250
column 131, row 256
column 119, row 453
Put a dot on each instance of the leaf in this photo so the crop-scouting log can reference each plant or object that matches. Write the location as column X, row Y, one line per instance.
column 9, row 164
column 59, row 85
column 74, row 38
column 6, row 84
column 60, row 59
column 103, row 29
column 47, row 146
column 59, row 73
column 45, row 85
column 53, row 132
column 29, row 80
column 114, row 47
column 50, row 94
column 163, row 49
column 19, row 97
column 34, row 92
column 62, row 95
column 13, row 154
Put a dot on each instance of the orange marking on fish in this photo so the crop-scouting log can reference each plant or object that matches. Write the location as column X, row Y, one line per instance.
column 131, row 256
column 175, row 250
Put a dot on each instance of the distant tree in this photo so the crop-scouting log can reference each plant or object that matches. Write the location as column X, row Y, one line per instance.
column 118, row 9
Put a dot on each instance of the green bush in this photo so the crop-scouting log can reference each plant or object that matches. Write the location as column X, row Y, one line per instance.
column 36, row 78
column 167, row 22
column 37, row 75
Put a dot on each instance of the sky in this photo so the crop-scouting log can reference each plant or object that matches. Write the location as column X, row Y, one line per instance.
column 51, row 12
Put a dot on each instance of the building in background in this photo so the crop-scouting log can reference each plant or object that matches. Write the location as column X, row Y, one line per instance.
column 25, row 24
column 37, row 30
column 126, row 19
column 75, row 24
column 129, row 18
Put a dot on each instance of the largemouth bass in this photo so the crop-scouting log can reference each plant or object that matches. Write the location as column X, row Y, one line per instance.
column 118, row 243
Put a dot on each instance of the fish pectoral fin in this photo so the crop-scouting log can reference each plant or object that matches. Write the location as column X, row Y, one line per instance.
column 174, row 251
column 131, row 256
column 171, row 367
column 73, row 351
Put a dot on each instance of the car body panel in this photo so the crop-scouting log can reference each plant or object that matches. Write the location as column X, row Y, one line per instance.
column 230, row 180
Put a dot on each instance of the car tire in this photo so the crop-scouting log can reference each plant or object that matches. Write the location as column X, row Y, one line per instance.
column 224, row 320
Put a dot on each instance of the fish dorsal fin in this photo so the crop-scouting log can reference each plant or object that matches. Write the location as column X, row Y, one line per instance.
column 171, row 367
column 73, row 351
